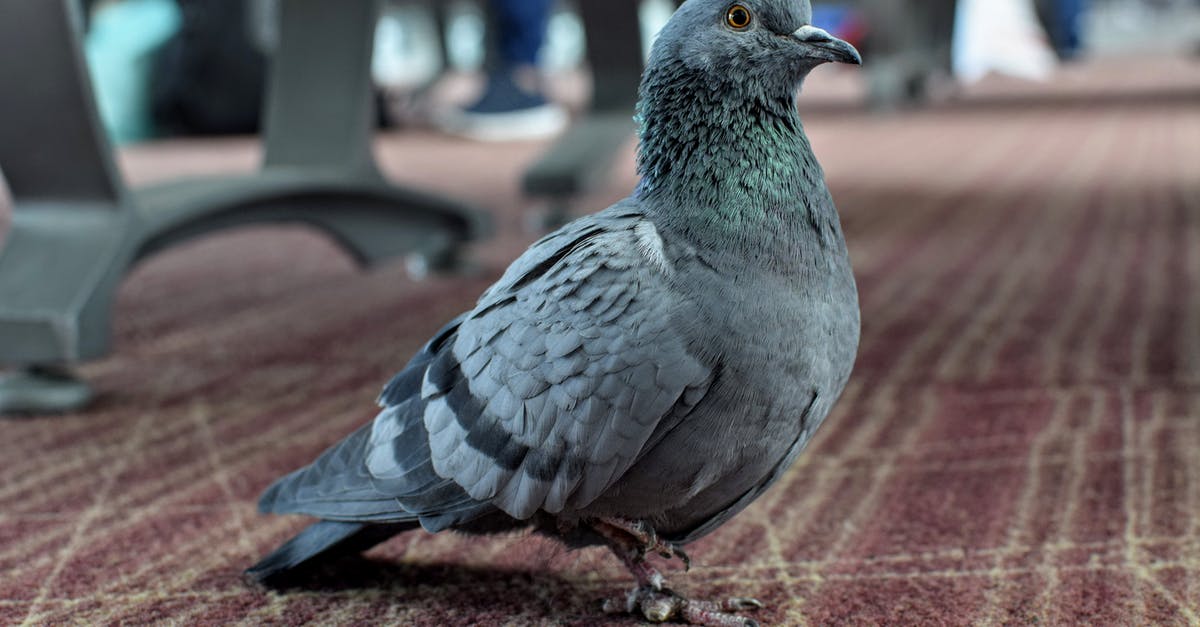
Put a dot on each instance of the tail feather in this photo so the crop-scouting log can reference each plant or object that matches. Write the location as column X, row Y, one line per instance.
column 321, row 540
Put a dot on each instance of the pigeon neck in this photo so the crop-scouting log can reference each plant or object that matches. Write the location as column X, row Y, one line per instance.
column 717, row 161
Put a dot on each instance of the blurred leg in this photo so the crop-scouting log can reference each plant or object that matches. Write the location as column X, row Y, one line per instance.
column 520, row 30
column 512, row 105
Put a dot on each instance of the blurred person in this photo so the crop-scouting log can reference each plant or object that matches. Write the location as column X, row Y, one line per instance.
column 1063, row 22
column 513, row 105
column 210, row 78
column 1001, row 36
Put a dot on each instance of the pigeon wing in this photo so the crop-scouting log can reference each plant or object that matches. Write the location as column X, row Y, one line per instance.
column 338, row 486
column 552, row 387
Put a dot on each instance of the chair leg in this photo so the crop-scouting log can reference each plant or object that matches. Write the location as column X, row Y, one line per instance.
column 42, row 390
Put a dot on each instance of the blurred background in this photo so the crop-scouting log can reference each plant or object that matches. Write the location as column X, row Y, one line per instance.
column 504, row 117
column 163, row 68
column 225, row 223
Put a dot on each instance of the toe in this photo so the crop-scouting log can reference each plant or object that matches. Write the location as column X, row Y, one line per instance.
column 742, row 604
column 697, row 614
column 660, row 606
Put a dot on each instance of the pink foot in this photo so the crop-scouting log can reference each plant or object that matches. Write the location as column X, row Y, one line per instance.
column 651, row 600
column 660, row 606
column 638, row 535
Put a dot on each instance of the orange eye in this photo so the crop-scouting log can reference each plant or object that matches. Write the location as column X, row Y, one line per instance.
column 738, row 17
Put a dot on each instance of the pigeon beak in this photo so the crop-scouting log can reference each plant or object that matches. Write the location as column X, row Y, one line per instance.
column 821, row 45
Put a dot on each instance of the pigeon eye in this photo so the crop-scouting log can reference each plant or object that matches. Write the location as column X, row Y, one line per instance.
column 738, row 17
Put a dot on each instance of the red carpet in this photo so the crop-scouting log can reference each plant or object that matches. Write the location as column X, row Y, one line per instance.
column 1018, row 445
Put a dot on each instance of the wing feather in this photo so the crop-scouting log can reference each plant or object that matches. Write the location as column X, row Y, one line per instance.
column 541, row 397
column 551, row 387
column 356, row 481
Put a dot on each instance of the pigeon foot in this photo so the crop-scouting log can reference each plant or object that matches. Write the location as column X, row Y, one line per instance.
column 662, row 605
column 640, row 537
column 632, row 541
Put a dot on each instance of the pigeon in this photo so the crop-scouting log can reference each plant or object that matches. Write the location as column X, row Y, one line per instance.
column 642, row 374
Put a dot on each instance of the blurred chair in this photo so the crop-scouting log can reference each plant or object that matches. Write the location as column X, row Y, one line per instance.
column 77, row 229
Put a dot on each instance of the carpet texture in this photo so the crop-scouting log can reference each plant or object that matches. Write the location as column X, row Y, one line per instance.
column 1019, row 444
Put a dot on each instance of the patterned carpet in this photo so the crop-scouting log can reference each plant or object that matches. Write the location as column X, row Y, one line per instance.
column 1018, row 445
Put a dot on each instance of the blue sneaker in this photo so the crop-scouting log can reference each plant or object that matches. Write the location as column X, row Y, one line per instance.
column 505, row 112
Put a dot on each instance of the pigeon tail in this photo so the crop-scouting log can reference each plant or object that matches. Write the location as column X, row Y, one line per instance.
column 321, row 540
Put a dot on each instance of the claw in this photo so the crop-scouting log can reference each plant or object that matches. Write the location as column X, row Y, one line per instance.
column 683, row 557
column 672, row 552
column 742, row 604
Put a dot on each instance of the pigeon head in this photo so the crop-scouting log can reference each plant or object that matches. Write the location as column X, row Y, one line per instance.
column 718, row 125
column 772, row 42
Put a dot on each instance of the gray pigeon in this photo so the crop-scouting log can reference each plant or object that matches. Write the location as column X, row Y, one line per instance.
column 641, row 375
